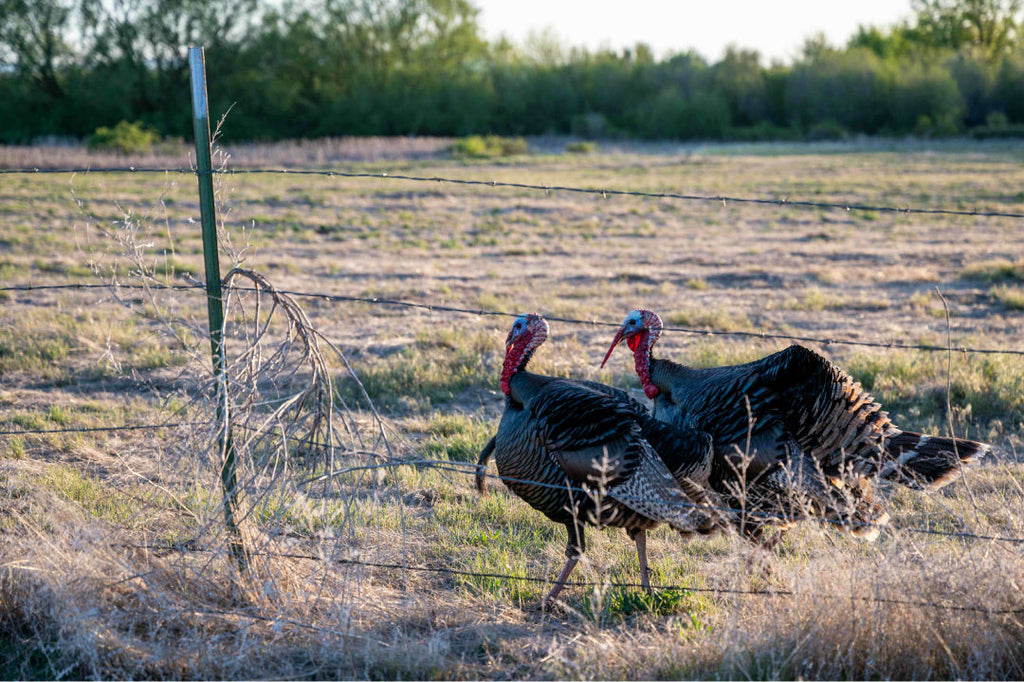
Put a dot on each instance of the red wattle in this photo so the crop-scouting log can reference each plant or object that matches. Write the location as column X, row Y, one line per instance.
column 650, row 390
column 503, row 385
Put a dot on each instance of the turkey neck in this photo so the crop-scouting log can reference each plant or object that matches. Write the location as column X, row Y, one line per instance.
column 642, row 345
column 523, row 386
column 663, row 374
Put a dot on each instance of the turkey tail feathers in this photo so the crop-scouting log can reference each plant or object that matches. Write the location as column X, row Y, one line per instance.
column 928, row 462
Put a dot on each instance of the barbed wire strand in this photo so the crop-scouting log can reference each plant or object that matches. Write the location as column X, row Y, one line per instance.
column 466, row 468
column 180, row 548
column 480, row 312
column 92, row 429
column 604, row 193
column 846, row 206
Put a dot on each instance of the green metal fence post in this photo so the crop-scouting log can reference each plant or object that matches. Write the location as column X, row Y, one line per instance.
column 214, row 300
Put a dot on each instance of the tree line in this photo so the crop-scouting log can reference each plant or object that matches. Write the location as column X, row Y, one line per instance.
column 312, row 68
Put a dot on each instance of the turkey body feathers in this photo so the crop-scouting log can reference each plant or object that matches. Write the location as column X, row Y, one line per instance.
column 566, row 436
column 796, row 398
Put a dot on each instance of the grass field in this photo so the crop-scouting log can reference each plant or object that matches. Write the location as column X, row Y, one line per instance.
column 115, row 561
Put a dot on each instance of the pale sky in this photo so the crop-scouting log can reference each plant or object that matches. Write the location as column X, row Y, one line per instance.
column 776, row 28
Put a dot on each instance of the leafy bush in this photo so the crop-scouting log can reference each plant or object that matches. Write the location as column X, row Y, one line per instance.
column 849, row 88
column 765, row 130
column 671, row 115
column 997, row 125
column 580, row 147
column 829, row 129
column 125, row 138
column 925, row 100
column 996, row 119
column 592, row 124
column 489, row 146
column 989, row 133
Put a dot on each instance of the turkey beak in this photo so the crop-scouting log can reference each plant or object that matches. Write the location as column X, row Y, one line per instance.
column 616, row 341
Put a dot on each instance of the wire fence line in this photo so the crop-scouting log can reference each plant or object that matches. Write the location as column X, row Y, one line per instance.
column 438, row 307
column 605, row 193
column 458, row 467
column 99, row 429
column 468, row 469
column 184, row 549
column 327, row 296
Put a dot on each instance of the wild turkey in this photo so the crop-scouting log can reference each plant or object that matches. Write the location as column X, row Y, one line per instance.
column 794, row 431
column 576, row 451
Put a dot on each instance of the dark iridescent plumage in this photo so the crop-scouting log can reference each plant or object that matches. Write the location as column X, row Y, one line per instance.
column 584, row 453
column 794, row 435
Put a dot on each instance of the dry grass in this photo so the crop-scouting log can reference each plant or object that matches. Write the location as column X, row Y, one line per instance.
column 114, row 561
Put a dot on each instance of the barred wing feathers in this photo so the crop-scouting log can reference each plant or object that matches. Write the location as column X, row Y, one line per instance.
column 798, row 396
column 598, row 442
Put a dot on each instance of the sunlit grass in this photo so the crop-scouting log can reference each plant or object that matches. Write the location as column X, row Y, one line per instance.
column 100, row 499
column 717, row 319
column 1011, row 297
column 456, row 437
column 912, row 386
column 95, row 591
column 814, row 299
column 435, row 369
column 996, row 270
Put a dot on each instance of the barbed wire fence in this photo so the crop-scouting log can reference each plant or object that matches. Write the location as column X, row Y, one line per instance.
column 469, row 470
column 282, row 422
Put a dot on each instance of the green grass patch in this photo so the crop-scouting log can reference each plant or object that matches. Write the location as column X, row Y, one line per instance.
column 927, row 303
column 435, row 369
column 995, row 271
column 625, row 601
column 505, row 537
column 581, row 147
column 696, row 283
column 34, row 349
column 87, row 342
column 488, row 146
column 719, row 353
column 62, row 268
column 31, row 421
column 718, row 319
column 456, row 437
column 1011, row 297
column 912, row 387
column 10, row 269
column 58, row 415
column 813, row 300
column 94, row 496
column 15, row 448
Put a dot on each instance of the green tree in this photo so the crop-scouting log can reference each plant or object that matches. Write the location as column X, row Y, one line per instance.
column 849, row 88
column 990, row 26
column 1008, row 91
column 925, row 100
column 32, row 38
column 741, row 81
column 888, row 43
column 144, row 45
